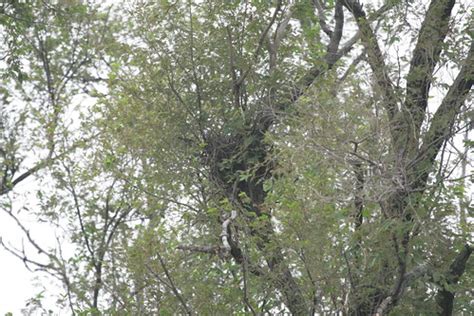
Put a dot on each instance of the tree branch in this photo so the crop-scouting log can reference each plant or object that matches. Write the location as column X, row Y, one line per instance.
column 225, row 231
column 4, row 189
column 322, row 18
column 374, row 56
column 370, row 18
column 213, row 250
column 261, row 41
column 274, row 44
column 425, row 57
column 332, row 56
column 444, row 118
column 171, row 284
column 390, row 301
column 445, row 298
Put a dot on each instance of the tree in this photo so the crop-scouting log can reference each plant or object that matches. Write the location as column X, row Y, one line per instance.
column 287, row 158
column 47, row 59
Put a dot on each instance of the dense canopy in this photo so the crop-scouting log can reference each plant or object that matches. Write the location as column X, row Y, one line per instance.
column 241, row 157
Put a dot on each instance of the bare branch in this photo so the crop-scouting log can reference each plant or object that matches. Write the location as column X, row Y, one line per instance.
column 353, row 65
column 203, row 249
column 225, row 231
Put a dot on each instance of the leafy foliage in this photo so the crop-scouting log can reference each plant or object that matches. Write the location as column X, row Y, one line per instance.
column 246, row 157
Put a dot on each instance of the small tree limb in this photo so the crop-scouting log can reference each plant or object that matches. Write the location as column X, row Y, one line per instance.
column 225, row 231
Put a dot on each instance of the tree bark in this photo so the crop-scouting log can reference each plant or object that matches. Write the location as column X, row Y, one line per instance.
column 445, row 298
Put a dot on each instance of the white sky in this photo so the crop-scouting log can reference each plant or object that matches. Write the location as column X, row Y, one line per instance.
column 15, row 280
column 17, row 283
